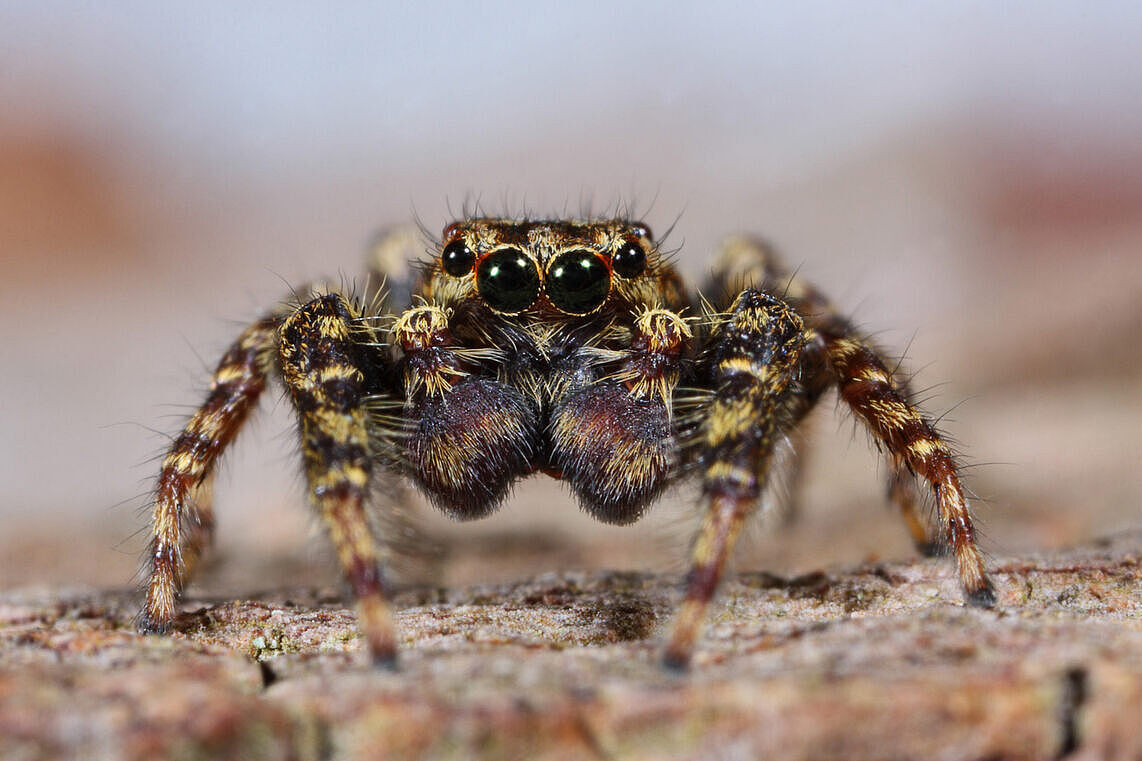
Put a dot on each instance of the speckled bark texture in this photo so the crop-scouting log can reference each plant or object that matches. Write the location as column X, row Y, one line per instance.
column 872, row 662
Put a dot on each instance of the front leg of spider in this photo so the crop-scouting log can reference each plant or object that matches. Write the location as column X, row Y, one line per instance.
column 752, row 364
column 324, row 371
column 749, row 261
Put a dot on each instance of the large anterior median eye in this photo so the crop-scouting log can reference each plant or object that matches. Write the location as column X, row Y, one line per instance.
column 507, row 280
column 578, row 281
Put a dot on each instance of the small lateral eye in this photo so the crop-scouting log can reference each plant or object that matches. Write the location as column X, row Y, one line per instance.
column 630, row 259
column 457, row 259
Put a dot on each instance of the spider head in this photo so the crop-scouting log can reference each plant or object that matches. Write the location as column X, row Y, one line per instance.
column 566, row 267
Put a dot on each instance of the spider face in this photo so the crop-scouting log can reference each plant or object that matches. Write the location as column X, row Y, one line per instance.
column 560, row 267
column 565, row 347
column 522, row 320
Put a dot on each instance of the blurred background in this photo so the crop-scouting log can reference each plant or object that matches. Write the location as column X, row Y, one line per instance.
column 963, row 177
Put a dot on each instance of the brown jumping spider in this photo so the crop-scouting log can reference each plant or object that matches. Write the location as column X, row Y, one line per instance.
column 562, row 347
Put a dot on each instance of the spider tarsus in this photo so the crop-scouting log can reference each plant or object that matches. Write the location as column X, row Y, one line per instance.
column 983, row 597
column 148, row 623
column 676, row 663
column 146, row 626
column 386, row 663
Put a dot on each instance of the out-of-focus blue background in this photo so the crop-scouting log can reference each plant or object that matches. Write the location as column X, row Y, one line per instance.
column 964, row 176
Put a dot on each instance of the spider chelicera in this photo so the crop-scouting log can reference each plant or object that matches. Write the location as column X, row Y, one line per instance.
column 558, row 346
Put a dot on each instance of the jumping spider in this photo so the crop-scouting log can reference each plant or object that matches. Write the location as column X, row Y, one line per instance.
column 561, row 346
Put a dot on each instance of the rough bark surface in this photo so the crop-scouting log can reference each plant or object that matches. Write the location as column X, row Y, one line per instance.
column 872, row 662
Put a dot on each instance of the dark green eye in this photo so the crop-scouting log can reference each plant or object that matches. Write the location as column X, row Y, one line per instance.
column 507, row 280
column 457, row 258
column 630, row 259
column 578, row 282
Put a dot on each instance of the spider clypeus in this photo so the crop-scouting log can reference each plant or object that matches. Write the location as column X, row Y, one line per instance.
column 563, row 347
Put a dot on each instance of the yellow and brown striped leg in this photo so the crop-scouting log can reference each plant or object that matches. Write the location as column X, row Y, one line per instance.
column 182, row 518
column 817, row 376
column 903, row 492
column 869, row 388
column 322, row 365
column 754, row 355
column 746, row 261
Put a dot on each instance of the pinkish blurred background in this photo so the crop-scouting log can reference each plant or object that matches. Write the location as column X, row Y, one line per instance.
column 964, row 177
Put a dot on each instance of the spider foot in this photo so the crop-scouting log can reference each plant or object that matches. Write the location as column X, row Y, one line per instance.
column 983, row 597
column 676, row 663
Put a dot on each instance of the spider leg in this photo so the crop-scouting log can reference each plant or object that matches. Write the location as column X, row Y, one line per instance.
column 750, row 262
column 753, row 359
column 869, row 388
column 182, row 518
column 324, row 371
column 836, row 352
column 903, row 492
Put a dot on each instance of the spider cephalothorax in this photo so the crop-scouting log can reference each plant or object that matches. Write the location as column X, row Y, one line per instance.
column 568, row 347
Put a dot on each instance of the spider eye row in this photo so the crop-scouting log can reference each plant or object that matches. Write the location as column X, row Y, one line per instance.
column 577, row 281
